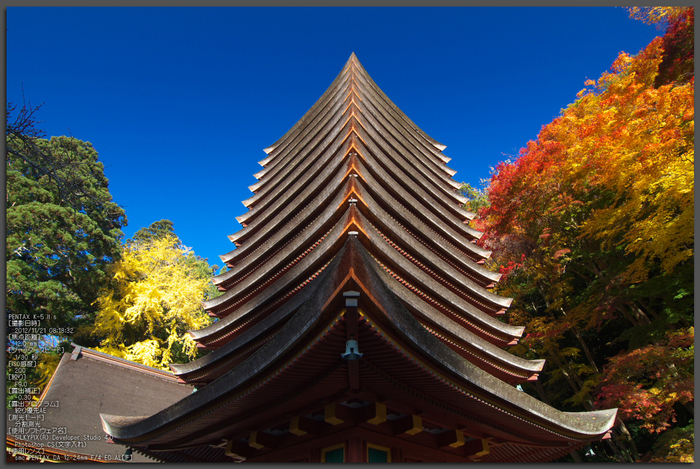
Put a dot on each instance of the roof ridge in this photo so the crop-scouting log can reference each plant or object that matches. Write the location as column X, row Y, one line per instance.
column 121, row 362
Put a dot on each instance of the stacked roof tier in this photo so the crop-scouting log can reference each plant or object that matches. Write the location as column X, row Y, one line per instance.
column 356, row 236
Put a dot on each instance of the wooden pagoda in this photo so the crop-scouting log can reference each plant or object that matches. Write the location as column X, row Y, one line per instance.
column 357, row 321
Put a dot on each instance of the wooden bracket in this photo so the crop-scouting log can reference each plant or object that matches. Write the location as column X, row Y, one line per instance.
column 329, row 413
column 477, row 449
column 411, row 425
column 452, row 438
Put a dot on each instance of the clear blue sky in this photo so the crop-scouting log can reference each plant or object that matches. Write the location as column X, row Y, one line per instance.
column 180, row 102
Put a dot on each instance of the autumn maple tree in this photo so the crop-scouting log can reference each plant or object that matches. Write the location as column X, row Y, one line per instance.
column 592, row 226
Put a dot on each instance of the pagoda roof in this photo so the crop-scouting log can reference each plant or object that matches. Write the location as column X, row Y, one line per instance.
column 344, row 167
column 260, row 327
column 355, row 95
column 353, row 64
column 304, row 358
column 356, row 231
column 355, row 146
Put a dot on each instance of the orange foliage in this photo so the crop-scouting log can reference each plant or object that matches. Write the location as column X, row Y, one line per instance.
column 593, row 227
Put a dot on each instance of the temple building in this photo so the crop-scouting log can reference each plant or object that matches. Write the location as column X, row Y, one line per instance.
column 358, row 322
column 65, row 425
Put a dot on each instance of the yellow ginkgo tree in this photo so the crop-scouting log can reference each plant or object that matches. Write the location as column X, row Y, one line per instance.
column 155, row 298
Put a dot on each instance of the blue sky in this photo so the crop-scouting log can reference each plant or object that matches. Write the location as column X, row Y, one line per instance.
column 180, row 101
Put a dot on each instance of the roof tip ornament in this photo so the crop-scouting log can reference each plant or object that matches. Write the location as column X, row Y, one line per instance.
column 76, row 351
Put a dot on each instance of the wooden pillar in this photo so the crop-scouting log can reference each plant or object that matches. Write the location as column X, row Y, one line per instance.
column 351, row 314
column 356, row 450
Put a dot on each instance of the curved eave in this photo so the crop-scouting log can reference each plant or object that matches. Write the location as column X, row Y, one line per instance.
column 406, row 264
column 198, row 369
column 268, row 224
column 433, row 229
column 450, row 320
column 501, row 333
column 433, row 320
column 382, row 116
column 286, row 157
column 272, row 150
column 330, row 136
column 411, row 228
column 454, row 230
column 426, row 287
column 287, row 237
column 438, row 360
column 265, row 285
column 424, row 350
column 437, row 215
column 330, row 245
column 311, row 191
column 434, row 146
column 423, row 343
column 385, row 158
column 473, row 282
column 275, row 287
column 311, row 162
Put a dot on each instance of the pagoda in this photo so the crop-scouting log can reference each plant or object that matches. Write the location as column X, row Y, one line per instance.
column 358, row 322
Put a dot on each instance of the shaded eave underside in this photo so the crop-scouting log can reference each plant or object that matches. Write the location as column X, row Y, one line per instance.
column 454, row 330
column 199, row 408
column 310, row 264
column 389, row 168
column 305, row 211
column 402, row 226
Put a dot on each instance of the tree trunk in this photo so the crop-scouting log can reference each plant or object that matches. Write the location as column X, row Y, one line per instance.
column 627, row 438
column 584, row 346
column 690, row 408
column 641, row 314
column 627, row 316
column 573, row 378
column 575, row 455
column 542, row 393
